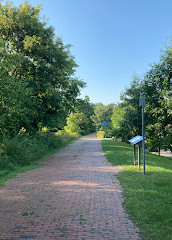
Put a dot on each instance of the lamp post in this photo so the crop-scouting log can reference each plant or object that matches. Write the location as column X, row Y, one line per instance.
column 142, row 104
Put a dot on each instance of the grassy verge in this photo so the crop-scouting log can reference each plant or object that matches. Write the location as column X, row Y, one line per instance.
column 148, row 199
column 6, row 172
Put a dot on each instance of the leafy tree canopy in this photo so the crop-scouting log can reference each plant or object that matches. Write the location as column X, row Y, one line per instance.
column 156, row 87
column 102, row 113
column 29, row 50
column 77, row 123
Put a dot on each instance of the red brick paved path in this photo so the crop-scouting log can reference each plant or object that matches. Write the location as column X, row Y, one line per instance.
column 74, row 196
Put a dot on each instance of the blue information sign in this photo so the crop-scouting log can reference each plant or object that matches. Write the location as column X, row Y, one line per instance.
column 105, row 123
column 136, row 139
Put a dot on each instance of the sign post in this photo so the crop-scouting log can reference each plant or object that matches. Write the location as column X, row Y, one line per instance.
column 105, row 124
column 139, row 162
column 134, row 153
column 142, row 104
column 134, row 141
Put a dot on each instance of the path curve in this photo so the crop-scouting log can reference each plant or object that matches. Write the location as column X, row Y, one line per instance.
column 75, row 195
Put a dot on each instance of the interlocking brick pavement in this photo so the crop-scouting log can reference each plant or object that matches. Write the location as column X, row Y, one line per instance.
column 75, row 195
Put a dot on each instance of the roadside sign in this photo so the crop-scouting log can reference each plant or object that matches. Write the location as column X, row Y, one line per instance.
column 136, row 139
column 105, row 123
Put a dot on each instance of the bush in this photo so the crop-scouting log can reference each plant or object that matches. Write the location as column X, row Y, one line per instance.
column 109, row 133
column 77, row 124
column 100, row 134
column 50, row 140
column 20, row 151
column 66, row 136
column 153, row 145
column 167, row 142
column 23, row 150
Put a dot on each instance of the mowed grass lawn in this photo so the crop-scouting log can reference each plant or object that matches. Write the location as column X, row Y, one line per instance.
column 148, row 198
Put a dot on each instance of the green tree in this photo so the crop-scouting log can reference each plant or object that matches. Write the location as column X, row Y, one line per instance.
column 84, row 106
column 30, row 51
column 117, row 121
column 103, row 113
column 130, row 100
column 126, row 117
column 17, row 105
column 77, row 123
column 118, row 116
column 157, row 89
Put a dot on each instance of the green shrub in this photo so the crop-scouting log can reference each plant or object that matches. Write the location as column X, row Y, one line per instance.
column 153, row 145
column 109, row 133
column 23, row 150
column 167, row 142
column 66, row 137
column 20, row 151
column 100, row 134
column 50, row 140
column 77, row 124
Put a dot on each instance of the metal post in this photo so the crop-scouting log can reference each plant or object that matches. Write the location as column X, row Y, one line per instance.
column 142, row 104
column 143, row 133
column 134, row 155
column 139, row 156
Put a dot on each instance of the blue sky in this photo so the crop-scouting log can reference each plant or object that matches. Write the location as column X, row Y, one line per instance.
column 112, row 39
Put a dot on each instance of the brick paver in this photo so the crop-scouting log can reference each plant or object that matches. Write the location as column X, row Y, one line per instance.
column 75, row 195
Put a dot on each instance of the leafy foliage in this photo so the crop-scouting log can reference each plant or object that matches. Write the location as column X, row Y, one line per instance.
column 38, row 87
column 17, row 105
column 84, row 106
column 39, row 64
column 126, row 118
column 23, row 150
column 100, row 134
column 156, row 87
column 77, row 124
column 102, row 113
